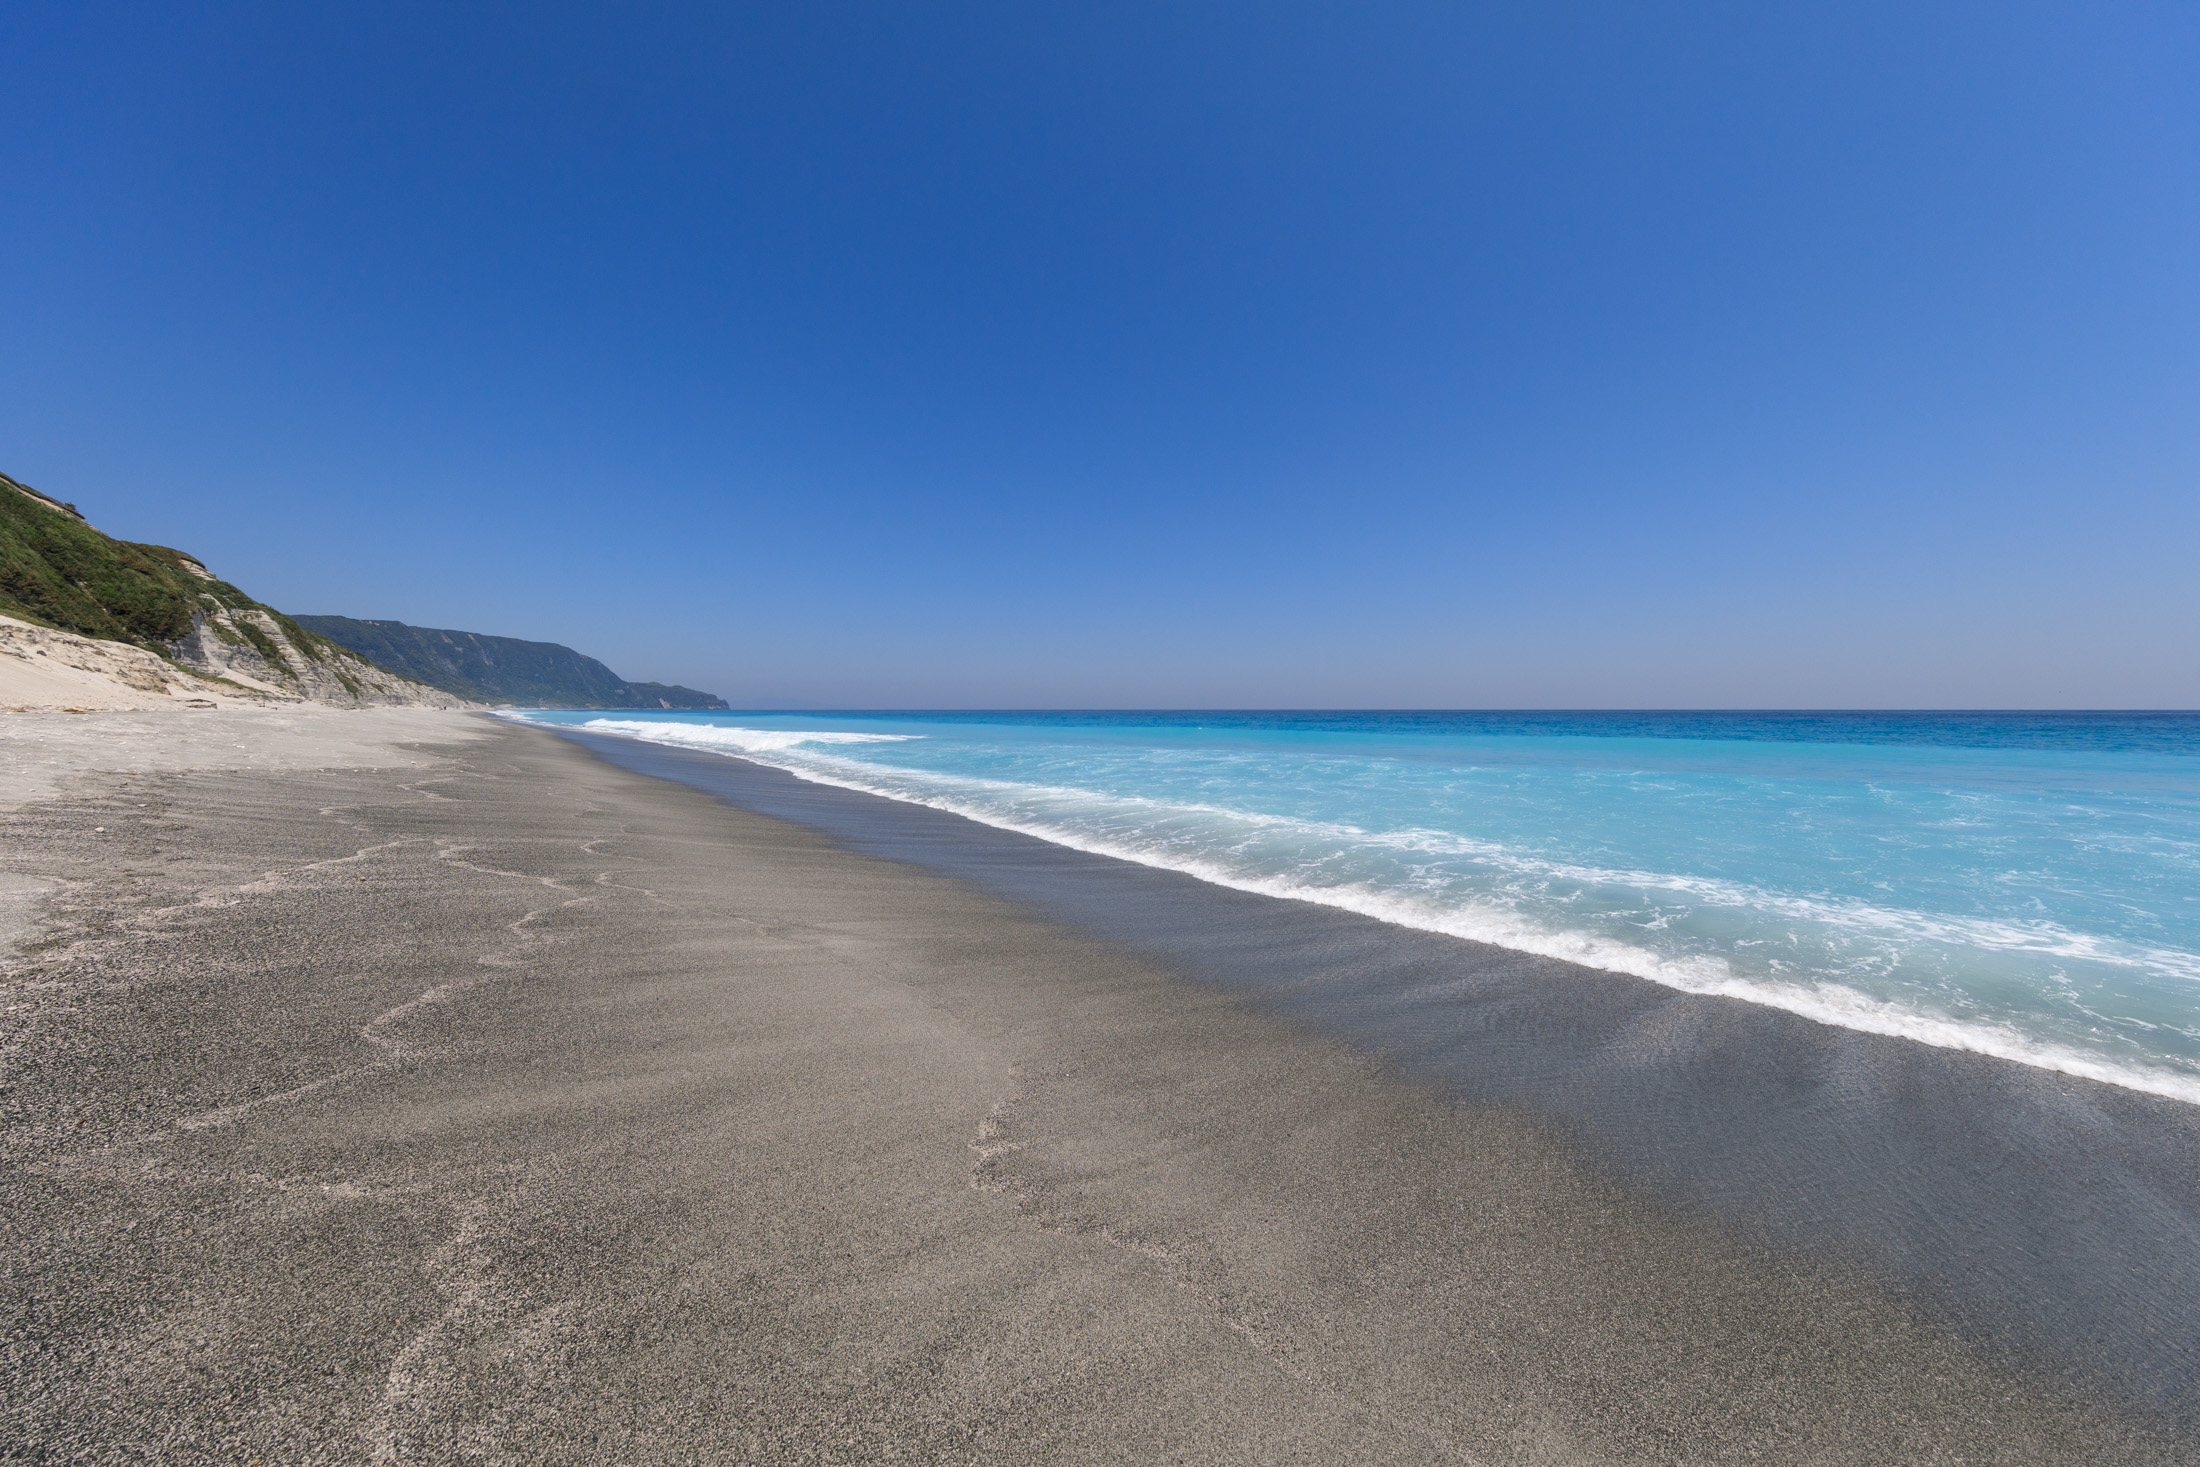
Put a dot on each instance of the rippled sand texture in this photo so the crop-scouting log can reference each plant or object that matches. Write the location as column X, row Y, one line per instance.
column 516, row 1107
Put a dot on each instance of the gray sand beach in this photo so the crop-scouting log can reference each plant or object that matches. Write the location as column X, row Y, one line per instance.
column 444, row 1092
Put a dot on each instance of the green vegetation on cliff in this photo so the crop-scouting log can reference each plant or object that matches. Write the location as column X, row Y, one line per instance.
column 500, row 669
column 57, row 571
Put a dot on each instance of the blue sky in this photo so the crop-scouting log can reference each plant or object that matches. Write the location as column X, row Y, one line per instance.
column 1172, row 355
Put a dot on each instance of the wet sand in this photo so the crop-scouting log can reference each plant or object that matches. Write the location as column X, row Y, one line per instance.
column 519, row 1107
column 2055, row 1221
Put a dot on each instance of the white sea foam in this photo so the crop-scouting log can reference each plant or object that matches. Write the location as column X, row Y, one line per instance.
column 2039, row 937
column 727, row 739
column 1825, row 1001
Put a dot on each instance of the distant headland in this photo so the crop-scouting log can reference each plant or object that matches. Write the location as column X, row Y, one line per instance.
column 499, row 670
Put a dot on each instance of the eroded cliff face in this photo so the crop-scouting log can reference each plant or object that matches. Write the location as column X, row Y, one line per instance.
column 218, row 665
column 41, row 667
column 254, row 650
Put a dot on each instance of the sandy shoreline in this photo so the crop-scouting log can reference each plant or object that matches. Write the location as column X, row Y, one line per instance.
column 2055, row 1220
column 512, row 1104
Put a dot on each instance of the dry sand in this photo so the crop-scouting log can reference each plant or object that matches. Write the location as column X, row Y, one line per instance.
column 41, row 753
column 44, row 753
column 507, row 1106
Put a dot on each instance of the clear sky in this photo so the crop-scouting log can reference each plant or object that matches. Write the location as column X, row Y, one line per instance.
column 1125, row 354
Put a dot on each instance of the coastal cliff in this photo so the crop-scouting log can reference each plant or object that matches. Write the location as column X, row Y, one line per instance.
column 89, row 620
column 500, row 670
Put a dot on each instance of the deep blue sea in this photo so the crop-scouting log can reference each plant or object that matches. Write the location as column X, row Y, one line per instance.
column 2022, row 884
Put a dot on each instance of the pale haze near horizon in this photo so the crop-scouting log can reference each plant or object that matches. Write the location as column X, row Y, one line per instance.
column 1415, row 356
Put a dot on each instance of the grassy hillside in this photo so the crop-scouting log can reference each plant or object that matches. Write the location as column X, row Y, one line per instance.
column 58, row 571
column 500, row 669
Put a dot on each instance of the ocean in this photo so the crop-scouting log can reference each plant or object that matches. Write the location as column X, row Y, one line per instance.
column 2024, row 885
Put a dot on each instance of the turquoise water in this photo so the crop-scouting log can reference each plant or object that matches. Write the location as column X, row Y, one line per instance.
column 2025, row 885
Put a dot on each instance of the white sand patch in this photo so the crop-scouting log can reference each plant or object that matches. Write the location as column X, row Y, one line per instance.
column 44, row 668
